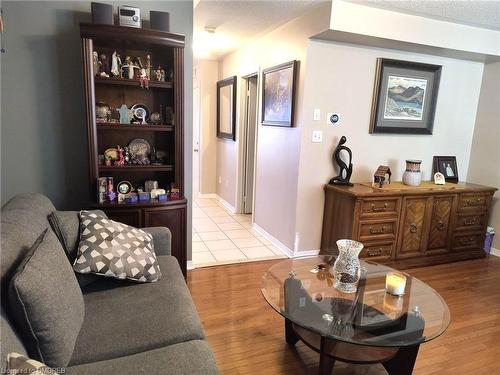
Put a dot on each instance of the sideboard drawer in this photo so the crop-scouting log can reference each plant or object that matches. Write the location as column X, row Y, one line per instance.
column 380, row 207
column 377, row 251
column 467, row 241
column 377, row 230
column 473, row 201
column 470, row 222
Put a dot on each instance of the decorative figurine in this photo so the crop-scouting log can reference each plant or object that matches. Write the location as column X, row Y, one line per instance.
column 158, row 74
column 121, row 156
column 345, row 168
column 379, row 178
column 155, row 118
column 148, row 66
column 125, row 64
column 103, row 66
column 162, row 75
column 107, row 161
column 115, row 70
column 143, row 78
column 124, row 114
column 131, row 67
column 138, row 62
column 128, row 68
column 127, row 155
column 439, row 178
column 111, row 195
column 95, row 63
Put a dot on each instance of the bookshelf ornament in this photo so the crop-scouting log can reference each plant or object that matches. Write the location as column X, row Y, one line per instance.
column 345, row 167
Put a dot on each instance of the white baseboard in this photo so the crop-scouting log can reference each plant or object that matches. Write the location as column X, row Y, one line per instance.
column 495, row 252
column 305, row 253
column 280, row 245
column 207, row 195
column 189, row 265
column 226, row 204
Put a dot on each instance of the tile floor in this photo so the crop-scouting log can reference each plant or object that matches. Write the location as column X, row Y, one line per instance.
column 221, row 237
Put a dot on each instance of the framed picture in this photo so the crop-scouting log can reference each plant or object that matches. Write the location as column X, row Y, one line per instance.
column 278, row 94
column 447, row 165
column 404, row 97
column 226, row 108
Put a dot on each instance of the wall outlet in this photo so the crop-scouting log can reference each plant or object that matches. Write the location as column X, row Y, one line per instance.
column 317, row 136
column 317, row 114
column 333, row 118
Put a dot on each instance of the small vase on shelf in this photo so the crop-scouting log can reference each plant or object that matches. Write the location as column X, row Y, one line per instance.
column 412, row 175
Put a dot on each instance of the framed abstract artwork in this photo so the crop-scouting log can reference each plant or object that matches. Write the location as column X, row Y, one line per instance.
column 278, row 94
column 447, row 165
column 404, row 97
column 226, row 108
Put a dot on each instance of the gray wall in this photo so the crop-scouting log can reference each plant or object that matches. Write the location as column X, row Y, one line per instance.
column 43, row 135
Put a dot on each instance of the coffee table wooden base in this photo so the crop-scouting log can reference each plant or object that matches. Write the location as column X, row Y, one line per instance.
column 397, row 361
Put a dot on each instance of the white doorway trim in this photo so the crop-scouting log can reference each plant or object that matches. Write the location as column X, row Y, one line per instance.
column 197, row 137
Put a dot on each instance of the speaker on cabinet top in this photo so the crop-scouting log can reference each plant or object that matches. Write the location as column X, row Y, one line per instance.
column 102, row 13
column 159, row 20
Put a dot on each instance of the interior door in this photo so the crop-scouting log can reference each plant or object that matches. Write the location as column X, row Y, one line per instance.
column 251, row 124
column 196, row 139
column 412, row 228
column 440, row 224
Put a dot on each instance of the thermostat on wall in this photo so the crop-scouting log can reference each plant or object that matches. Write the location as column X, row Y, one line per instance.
column 333, row 118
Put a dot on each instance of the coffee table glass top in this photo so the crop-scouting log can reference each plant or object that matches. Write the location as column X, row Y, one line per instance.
column 368, row 317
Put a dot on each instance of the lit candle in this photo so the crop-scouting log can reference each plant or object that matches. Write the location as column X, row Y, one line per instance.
column 395, row 283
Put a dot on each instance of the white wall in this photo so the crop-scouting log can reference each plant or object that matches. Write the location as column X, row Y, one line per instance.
column 206, row 76
column 340, row 78
column 278, row 149
column 484, row 167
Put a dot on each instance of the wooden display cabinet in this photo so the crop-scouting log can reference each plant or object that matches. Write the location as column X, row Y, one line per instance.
column 166, row 50
column 406, row 226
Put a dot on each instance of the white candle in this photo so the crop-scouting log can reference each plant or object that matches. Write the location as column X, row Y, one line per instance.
column 395, row 283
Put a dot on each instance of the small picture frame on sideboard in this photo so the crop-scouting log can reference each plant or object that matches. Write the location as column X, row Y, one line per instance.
column 447, row 165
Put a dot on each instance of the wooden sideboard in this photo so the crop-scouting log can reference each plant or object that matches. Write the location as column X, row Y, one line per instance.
column 407, row 226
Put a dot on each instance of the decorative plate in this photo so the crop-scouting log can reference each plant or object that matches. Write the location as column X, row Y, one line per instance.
column 124, row 187
column 140, row 112
column 112, row 153
column 139, row 147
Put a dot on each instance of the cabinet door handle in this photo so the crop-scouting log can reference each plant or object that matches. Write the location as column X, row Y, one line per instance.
column 473, row 203
column 466, row 241
column 413, row 228
column 374, row 253
column 441, row 226
column 374, row 231
column 469, row 221
column 379, row 209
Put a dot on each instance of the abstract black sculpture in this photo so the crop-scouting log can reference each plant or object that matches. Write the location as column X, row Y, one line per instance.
column 345, row 168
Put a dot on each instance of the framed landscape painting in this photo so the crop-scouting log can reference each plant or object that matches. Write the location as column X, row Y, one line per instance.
column 404, row 97
column 278, row 94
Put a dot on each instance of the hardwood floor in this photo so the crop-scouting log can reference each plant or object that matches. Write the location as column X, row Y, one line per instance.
column 247, row 335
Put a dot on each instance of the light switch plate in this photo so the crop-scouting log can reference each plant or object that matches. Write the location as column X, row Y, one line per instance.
column 317, row 136
column 317, row 114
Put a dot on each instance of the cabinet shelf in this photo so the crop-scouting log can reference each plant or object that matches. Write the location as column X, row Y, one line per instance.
column 136, row 168
column 121, row 127
column 132, row 82
column 151, row 203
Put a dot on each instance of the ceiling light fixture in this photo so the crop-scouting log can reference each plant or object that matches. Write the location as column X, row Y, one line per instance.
column 207, row 42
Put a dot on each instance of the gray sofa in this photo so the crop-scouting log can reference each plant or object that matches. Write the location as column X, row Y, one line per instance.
column 128, row 328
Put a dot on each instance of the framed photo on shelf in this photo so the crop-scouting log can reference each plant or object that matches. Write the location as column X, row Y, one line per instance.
column 447, row 165
column 278, row 94
column 404, row 97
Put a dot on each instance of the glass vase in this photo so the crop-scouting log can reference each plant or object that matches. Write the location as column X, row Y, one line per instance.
column 347, row 269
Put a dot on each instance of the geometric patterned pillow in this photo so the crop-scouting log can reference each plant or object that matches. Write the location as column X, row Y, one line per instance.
column 19, row 364
column 114, row 249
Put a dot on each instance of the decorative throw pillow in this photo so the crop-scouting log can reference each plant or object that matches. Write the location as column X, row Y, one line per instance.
column 46, row 302
column 114, row 249
column 19, row 364
column 66, row 226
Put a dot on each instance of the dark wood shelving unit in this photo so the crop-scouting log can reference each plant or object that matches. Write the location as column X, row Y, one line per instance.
column 167, row 51
column 122, row 127
column 136, row 168
column 132, row 82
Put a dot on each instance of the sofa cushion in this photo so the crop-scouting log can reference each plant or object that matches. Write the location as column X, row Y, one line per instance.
column 10, row 342
column 66, row 226
column 46, row 302
column 114, row 249
column 191, row 357
column 123, row 318
column 23, row 219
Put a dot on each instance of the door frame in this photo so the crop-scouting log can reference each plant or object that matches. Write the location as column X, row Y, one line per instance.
column 240, row 203
column 197, row 85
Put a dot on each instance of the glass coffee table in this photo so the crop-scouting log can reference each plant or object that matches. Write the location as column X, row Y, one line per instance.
column 366, row 327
